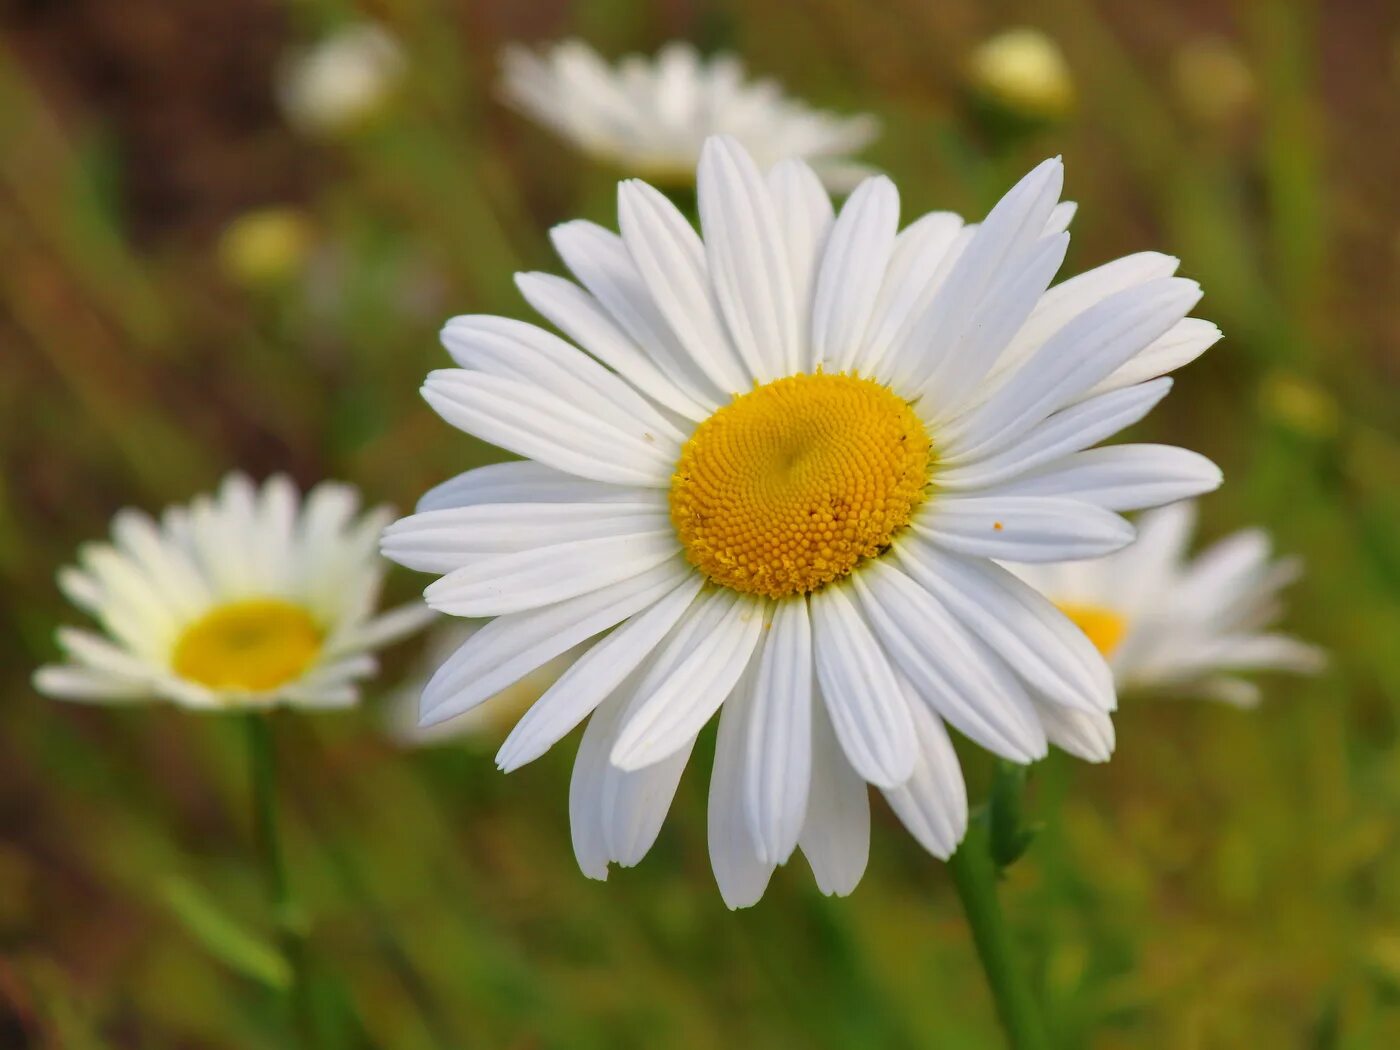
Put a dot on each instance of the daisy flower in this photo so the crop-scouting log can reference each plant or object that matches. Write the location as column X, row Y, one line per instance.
column 342, row 81
column 1167, row 623
column 650, row 116
column 773, row 484
column 245, row 599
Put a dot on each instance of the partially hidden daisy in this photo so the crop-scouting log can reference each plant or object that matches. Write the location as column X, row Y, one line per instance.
column 1182, row 626
column 651, row 116
column 775, row 486
column 245, row 599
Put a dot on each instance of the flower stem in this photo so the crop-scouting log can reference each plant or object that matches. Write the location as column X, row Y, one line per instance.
column 262, row 775
column 975, row 875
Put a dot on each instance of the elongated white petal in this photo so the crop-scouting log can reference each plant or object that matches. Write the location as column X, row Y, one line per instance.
column 1067, row 431
column 1083, row 352
column 1084, row 734
column 678, row 699
column 748, row 263
column 804, row 217
column 919, row 262
column 95, row 653
column 84, row 683
column 1120, row 477
column 510, row 647
column 852, row 273
column 932, row 803
column 1022, row 528
column 835, row 838
column 594, row 676
column 601, row 262
column 505, row 583
column 534, row 423
column 1183, row 342
column 514, row 350
column 445, row 540
column 867, row 709
column 671, row 259
column 586, row 788
column 947, row 666
column 740, row 871
column 584, row 320
column 776, row 770
column 1034, row 638
column 525, row 482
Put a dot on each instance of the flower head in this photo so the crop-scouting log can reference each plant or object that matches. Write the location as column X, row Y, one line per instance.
column 247, row 598
column 650, row 116
column 1183, row 626
column 772, row 484
column 341, row 82
column 1024, row 72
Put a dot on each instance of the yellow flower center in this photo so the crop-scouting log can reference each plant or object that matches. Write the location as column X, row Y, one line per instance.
column 789, row 486
column 253, row 645
column 1104, row 627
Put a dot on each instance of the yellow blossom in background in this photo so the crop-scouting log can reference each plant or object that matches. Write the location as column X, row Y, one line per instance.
column 1213, row 83
column 1023, row 72
column 266, row 246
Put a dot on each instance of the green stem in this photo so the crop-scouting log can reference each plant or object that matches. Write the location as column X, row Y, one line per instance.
column 262, row 775
column 975, row 874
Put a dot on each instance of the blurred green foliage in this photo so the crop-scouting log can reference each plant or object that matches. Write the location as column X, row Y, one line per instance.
column 1231, row 880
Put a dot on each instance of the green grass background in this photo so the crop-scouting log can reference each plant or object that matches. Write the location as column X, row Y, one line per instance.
column 1232, row 879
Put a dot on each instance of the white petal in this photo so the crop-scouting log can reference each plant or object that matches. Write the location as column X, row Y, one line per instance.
column 525, row 481
column 538, row 425
column 1035, row 639
column 586, row 788
column 836, row 836
column 600, row 260
column 1185, row 341
column 777, row 766
column 671, row 259
column 748, row 261
column 1120, row 477
column 1082, row 353
column 804, row 220
column 582, row 318
column 682, row 693
column 594, row 676
column 932, row 803
column 852, row 272
column 82, row 683
column 949, row 668
column 94, row 652
column 1022, row 528
column 867, row 709
column 510, row 647
column 1011, row 228
column 1084, row 734
column 1060, row 217
column 385, row 629
column 1067, row 431
column 171, row 573
column 511, row 349
column 925, row 253
column 445, row 540
column 506, row 583
column 734, row 854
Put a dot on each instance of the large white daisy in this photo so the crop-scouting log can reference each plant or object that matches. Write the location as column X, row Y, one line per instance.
column 1177, row 625
column 650, row 116
column 775, row 484
column 244, row 599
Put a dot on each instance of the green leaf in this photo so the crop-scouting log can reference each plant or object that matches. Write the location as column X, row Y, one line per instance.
column 1010, row 835
column 222, row 935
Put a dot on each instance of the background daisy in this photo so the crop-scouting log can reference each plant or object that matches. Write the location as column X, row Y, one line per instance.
column 248, row 598
column 650, row 116
column 782, row 477
column 1182, row 625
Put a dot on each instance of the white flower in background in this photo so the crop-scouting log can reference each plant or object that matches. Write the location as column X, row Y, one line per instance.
column 489, row 720
column 780, row 482
column 651, row 116
column 342, row 81
column 248, row 598
column 1179, row 626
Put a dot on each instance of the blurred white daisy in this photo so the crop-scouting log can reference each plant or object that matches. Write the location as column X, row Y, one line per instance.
column 342, row 81
column 1179, row 626
column 650, row 116
column 780, row 482
column 245, row 599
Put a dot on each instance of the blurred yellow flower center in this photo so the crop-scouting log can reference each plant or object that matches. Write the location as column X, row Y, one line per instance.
column 1104, row 627
column 789, row 486
column 254, row 645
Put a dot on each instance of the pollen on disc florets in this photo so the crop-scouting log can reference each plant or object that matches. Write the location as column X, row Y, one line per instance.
column 254, row 644
column 790, row 485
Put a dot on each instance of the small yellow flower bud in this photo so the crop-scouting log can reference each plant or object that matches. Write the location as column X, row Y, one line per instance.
column 1023, row 72
column 265, row 246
